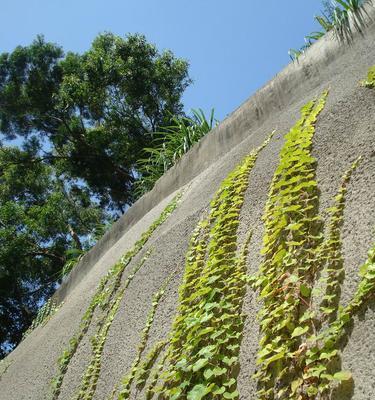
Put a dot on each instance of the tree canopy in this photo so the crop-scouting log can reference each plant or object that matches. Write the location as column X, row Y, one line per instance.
column 41, row 217
column 95, row 110
column 80, row 123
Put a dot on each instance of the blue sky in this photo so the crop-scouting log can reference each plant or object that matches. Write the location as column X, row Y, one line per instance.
column 234, row 47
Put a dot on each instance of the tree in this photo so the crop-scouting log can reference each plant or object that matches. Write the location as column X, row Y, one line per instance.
column 95, row 109
column 41, row 217
column 83, row 121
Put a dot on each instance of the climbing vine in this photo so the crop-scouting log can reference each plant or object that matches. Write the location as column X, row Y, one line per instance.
column 202, row 359
column 291, row 237
column 45, row 313
column 330, row 251
column 128, row 378
column 300, row 343
column 107, row 297
column 299, row 285
column 91, row 376
column 145, row 367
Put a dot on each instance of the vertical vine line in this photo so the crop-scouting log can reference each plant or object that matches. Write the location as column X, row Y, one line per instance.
column 107, row 297
column 291, row 236
column 202, row 359
column 299, row 350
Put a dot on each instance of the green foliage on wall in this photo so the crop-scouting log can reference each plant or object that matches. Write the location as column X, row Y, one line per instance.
column 145, row 367
column 301, row 342
column 106, row 301
column 104, row 322
column 302, row 322
column 202, row 358
column 291, row 236
column 45, row 313
column 299, row 285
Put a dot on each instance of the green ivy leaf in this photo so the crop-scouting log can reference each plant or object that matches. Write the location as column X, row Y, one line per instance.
column 200, row 364
column 305, row 290
column 312, row 391
column 230, row 383
column 219, row 371
column 293, row 278
column 296, row 384
column 299, row 331
column 274, row 358
column 342, row 376
column 328, row 355
column 233, row 395
column 208, row 373
column 198, row 392
column 219, row 391
column 230, row 361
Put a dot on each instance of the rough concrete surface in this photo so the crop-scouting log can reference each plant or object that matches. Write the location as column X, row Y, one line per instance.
column 345, row 130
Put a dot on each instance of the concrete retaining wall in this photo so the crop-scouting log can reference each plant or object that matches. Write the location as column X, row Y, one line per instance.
column 285, row 89
column 345, row 129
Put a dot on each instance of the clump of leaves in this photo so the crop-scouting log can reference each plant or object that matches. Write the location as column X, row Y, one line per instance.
column 169, row 145
column 290, row 227
column 370, row 80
